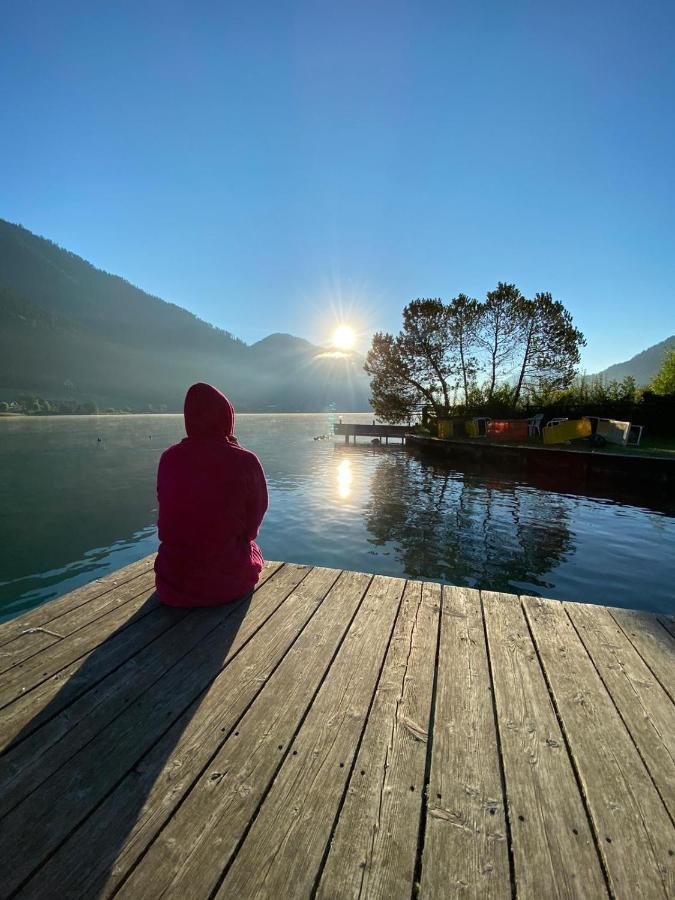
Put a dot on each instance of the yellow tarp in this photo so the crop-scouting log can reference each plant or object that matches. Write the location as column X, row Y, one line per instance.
column 567, row 431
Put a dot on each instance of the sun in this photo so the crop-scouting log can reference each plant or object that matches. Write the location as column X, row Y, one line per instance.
column 344, row 337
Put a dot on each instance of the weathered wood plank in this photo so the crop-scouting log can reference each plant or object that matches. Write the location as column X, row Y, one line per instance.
column 33, row 709
column 137, row 599
column 29, row 762
column 668, row 623
column 221, row 804
column 653, row 642
column 646, row 709
column 633, row 830
column 554, row 851
column 66, row 799
column 26, row 647
column 301, row 806
column 373, row 851
column 41, row 616
column 465, row 844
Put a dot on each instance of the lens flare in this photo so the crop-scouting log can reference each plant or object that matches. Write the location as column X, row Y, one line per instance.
column 344, row 337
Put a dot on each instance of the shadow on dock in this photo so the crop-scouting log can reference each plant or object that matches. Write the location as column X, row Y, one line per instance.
column 70, row 776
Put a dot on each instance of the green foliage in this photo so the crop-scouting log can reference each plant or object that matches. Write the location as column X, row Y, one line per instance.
column 664, row 380
column 548, row 344
column 437, row 358
column 499, row 331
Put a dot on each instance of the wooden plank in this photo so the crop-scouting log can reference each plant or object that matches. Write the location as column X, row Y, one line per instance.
column 668, row 623
column 42, row 822
column 31, row 761
column 653, row 642
column 465, row 842
column 182, row 860
column 30, row 711
column 26, row 676
column 41, row 616
column 301, row 806
column 373, row 851
column 646, row 709
column 633, row 830
column 33, row 641
column 553, row 846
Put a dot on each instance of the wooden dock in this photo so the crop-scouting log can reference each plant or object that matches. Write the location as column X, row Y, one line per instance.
column 382, row 432
column 337, row 735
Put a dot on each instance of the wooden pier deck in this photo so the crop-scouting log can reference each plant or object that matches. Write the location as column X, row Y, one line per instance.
column 382, row 432
column 337, row 735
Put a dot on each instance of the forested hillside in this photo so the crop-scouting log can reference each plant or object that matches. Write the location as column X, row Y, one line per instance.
column 643, row 366
column 69, row 330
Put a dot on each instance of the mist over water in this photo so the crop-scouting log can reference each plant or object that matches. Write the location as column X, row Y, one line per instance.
column 75, row 507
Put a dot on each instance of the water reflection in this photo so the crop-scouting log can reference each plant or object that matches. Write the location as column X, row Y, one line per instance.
column 344, row 479
column 74, row 508
column 447, row 525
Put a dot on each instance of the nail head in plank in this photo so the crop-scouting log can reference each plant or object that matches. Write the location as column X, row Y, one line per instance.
column 373, row 850
column 554, row 851
column 633, row 830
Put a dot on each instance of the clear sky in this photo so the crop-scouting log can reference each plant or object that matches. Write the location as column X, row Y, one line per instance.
column 268, row 165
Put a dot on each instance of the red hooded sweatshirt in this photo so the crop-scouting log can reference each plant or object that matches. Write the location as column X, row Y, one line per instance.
column 212, row 498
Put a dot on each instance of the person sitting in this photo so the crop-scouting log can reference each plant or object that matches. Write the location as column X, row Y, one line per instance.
column 212, row 497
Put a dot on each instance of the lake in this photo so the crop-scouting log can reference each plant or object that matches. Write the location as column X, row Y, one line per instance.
column 75, row 507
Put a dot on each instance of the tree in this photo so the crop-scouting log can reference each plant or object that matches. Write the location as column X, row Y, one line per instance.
column 664, row 380
column 499, row 331
column 414, row 367
column 465, row 319
column 547, row 342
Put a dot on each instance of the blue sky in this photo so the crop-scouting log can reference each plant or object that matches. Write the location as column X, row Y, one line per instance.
column 274, row 166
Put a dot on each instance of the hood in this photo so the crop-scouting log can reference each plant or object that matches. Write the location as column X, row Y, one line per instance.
column 208, row 412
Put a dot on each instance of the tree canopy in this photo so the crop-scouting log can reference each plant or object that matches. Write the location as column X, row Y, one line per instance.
column 664, row 380
column 450, row 355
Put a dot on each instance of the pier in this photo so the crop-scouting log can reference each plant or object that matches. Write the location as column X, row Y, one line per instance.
column 337, row 734
column 385, row 432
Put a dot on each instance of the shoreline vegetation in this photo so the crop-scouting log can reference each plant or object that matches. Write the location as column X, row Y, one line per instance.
column 505, row 357
column 32, row 405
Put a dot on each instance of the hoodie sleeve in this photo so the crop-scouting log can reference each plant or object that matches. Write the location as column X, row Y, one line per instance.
column 256, row 505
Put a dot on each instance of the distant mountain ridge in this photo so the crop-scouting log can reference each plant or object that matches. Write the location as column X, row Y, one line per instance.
column 68, row 328
column 643, row 366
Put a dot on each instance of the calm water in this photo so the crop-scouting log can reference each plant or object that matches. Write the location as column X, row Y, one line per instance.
column 72, row 509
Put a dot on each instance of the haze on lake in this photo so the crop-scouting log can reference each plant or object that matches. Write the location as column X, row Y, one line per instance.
column 76, row 508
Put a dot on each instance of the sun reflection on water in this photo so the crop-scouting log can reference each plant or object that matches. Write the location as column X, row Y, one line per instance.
column 344, row 479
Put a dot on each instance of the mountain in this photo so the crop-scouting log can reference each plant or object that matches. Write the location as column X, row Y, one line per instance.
column 70, row 330
column 643, row 366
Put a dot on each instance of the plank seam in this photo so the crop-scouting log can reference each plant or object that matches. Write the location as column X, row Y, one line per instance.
column 421, row 834
column 224, row 740
column 22, row 736
column 301, row 722
column 149, row 749
column 44, row 605
column 63, row 637
column 502, row 772
column 618, row 711
column 129, row 624
column 570, row 754
column 324, row 858
column 642, row 656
